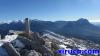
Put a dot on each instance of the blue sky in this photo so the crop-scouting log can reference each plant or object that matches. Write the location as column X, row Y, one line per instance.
column 50, row 9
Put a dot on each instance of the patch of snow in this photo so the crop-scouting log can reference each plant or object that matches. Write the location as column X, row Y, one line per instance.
column 81, row 47
column 74, row 42
column 54, row 34
column 64, row 47
column 8, row 38
column 53, row 37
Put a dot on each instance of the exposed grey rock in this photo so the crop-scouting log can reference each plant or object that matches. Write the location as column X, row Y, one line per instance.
column 10, row 49
column 3, row 52
column 32, row 53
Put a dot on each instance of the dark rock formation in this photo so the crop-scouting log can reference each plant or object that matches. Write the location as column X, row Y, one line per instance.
column 10, row 49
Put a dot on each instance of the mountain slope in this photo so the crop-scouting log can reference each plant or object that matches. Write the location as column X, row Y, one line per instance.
column 79, row 29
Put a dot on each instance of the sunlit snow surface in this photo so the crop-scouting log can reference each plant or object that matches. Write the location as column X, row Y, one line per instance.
column 80, row 44
column 8, row 38
column 62, row 45
column 73, row 42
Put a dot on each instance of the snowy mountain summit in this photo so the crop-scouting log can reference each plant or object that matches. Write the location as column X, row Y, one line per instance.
column 52, row 40
column 46, row 43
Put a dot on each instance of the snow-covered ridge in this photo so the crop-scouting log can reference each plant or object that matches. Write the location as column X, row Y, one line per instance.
column 72, row 43
column 8, row 38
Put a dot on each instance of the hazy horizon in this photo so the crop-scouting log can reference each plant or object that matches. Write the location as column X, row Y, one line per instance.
column 16, row 20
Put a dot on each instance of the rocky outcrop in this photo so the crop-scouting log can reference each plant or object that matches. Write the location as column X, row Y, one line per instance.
column 10, row 49
column 31, row 45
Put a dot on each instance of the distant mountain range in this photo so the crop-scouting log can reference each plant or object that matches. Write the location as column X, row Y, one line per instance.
column 81, row 28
